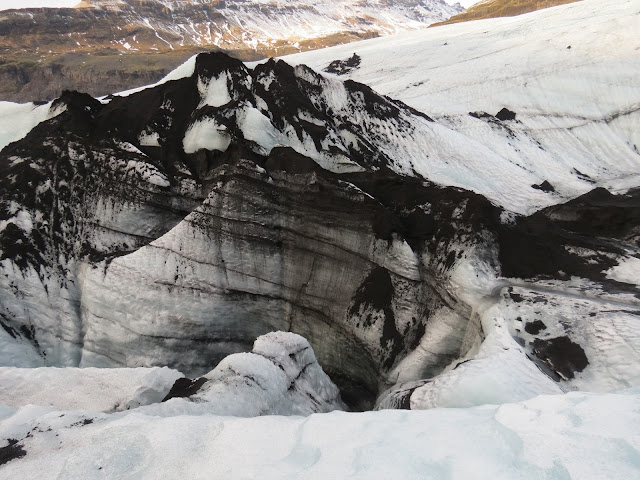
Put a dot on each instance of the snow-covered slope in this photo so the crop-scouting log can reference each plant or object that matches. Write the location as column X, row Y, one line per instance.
column 92, row 389
column 280, row 376
column 585, row 436
column 263, row 23
column 17, row 119
column 569, row 73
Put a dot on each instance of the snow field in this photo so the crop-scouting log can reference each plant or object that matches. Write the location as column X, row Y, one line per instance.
column 92, row 389
column 577, row 108
column 577, row 435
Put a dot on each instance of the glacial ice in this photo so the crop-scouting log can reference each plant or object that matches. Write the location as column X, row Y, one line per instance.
column 577, row 111
column 559, row 437
column 281, row 376
column 497, row 424
column 214, row 91
column 92, row 389
column 628, row 271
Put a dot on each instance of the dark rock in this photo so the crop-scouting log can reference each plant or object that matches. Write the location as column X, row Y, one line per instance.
column 83, row 422
column 583, row 176
column 481, row 115
column 342, row 67
column 535, row 327
column 286, row 159
column 11, row 451
column 185, row 387
column 516, row 297
column 598, row 221
column 545, row 187
column 561, row 355
column 506, row 114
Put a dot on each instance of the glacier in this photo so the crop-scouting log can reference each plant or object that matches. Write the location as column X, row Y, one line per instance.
column 136, row 254
column 575, row 126
column 414, row 246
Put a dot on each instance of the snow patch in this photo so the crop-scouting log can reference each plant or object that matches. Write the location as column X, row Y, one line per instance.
column 214, row 91
column 257, row 128
column 22, row 219
column 128, row 147
column 18, row 119
column 206, row 134
column 149, row 139
column 627, row 271
column 149, row 173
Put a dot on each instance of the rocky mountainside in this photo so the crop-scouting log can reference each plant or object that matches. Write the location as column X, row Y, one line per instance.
column 501, row 8
column 103, row 46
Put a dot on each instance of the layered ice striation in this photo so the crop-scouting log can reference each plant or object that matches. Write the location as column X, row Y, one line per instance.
column 175, row 225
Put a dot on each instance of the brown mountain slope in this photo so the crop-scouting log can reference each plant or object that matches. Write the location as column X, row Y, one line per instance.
column 103, row 46
column 501, row 8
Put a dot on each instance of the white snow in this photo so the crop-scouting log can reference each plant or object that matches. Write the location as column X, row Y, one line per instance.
column 206, row 134
column 214, row 91
column 628, row 271
column 128, row 147
column 499, row 373
column 22, row 220
column 149, row 173
column 93, row 389
column 578, row 435
column 606, row 328
column 17, row 119
column 281, row 376
column 577, row 108
column 149, row 139
column 257, row 128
